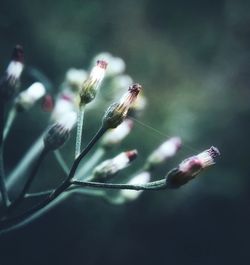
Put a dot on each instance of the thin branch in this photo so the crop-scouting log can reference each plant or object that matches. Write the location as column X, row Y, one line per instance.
column 155, row 185
column 3, row 188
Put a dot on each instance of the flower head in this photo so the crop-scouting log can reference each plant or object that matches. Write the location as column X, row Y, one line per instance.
column 75, row 78
column 164, row 151
column 10, row 81
column 116, row 64
column 191, row 167
column 115, row 136
column 91, row 84
column 110, row 167
column 117, row 112
column 59, row 132
column 28, row 97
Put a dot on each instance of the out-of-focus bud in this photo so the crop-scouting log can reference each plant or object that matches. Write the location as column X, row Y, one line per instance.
column 65, row 103
column 116, row 64
column 27, row 98
column 118, row 85
column 140, row 179
column 91, row 84
column 9, row 83
column 117, row 112
column 115, row 136
column 191, row 167
column 165, row 151
column 110, row 167
column 75, row 78
column 59, row 132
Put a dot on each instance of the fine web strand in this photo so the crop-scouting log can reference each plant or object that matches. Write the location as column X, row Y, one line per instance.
column 160, row 133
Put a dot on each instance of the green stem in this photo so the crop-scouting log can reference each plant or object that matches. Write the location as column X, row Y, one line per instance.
column 61, row 161
column 64, row 185
column 3, row 189
column 80, row 117
column 23, row 166
column 92, row 161
column 9, row 122
column 155, row 185
column 29, row 180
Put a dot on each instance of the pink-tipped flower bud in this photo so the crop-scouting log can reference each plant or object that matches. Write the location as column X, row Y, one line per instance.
column 140, row 179
column 117, row 112
column 110, row 167
column 27, row 98
column 92, row 83
column 191, row 167
column 64, row 104
column 165, row 151
column 10, row 82
column 59, row 132
column 115, row 136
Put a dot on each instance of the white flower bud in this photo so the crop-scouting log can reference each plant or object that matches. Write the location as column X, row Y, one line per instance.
column 114, row 136
column 140, row 179
column 116, row 64
column 164, row 151
column 92, row 83
column 64, row 104
column 75, row 78
column 28, row 97
column 110, row 167
column 10, row 81
column 59, row 132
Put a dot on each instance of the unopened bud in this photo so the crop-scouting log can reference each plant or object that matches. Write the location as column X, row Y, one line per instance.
column 27, row 98
column 63, row 105
column 10, row 81
column 140, row 179
column 59, row 132
column 116, row 64
column 191, row 167
column 91, row 84
column 75, row 78
column 138, row 106
column 114, row 136
column 165, row 151
column 110, row 167
column 117, row 112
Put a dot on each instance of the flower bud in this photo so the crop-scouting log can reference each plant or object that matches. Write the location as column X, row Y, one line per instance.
column 92, row 83
column 10, row 81
column 75, row 78
column 191, row 167
column 59, row 132
column 140, row 179
column 110, row 167
column 116, row 64
column 117, row 112
column 114, row 136
column 164, row 151
column 64, row 104
column 27, row 98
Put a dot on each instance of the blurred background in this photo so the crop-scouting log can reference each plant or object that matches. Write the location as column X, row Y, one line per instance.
column 193, row 60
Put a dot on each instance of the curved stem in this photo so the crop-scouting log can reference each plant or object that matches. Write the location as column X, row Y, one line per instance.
column 9, row 122
column 3, row 189
column 29, row 180
column 93, row 160
column 155, row 185
column 64, row 185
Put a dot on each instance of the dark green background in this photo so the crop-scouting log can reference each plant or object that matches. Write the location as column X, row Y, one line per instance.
column 193, row 60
